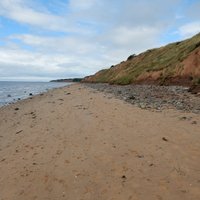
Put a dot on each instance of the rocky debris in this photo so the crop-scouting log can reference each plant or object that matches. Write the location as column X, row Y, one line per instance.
column 153, row 97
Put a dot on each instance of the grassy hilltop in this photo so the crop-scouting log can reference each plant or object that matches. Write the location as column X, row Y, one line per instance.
column 176, row 63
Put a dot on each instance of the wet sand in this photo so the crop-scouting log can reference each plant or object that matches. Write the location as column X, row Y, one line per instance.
column 75, row 143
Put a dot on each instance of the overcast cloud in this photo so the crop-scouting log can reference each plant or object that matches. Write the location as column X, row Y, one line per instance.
column 75, row 38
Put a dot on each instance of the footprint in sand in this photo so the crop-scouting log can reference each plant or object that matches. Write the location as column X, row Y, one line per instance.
column 194, row 122
column 67, row 161
column 58, row 152
column 3, row 160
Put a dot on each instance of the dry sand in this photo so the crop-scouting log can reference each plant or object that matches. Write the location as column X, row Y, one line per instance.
column 86, row 146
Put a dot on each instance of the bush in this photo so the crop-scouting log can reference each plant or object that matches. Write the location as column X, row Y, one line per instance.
column 131, row 57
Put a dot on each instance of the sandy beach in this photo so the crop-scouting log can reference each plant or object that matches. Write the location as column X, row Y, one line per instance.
column 75, row 143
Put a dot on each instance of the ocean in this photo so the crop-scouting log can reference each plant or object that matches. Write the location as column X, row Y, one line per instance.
column 11, row 92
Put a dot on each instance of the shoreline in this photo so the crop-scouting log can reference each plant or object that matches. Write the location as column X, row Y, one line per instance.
column 78, row 143
column 12, row 92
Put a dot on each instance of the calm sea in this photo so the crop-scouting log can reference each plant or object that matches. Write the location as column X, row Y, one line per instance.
column 14, row 91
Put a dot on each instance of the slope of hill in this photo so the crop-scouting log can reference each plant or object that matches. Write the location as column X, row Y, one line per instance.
column 176, row 63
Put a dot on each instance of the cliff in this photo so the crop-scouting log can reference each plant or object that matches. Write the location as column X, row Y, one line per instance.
column 175, row 64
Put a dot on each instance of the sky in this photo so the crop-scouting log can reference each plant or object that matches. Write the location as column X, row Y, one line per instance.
column 41, row 40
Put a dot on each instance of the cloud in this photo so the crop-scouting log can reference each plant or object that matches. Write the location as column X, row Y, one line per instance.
column 22, row 12
column 82, row 4
column 189, row 29
column 15, row 62
column 92, row 54
column 133, row 37
column 62, row 44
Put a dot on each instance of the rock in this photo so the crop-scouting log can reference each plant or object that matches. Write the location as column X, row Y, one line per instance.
column 8, row 95
column 142, row 105
column 30, row 94
column 18, row 132
column 183, row 118
column 132, row 97
column 123, row 177
column 16, row 108
column 140, row 156
column 164, row 139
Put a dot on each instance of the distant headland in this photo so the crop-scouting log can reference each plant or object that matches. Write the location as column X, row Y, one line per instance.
column 69, row 80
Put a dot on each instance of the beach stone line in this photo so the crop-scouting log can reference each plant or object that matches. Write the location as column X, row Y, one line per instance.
column 152, row 97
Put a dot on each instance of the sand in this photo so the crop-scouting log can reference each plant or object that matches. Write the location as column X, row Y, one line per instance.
column 74, row 143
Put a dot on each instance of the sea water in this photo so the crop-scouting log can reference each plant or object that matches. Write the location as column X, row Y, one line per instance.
column 13, row 91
